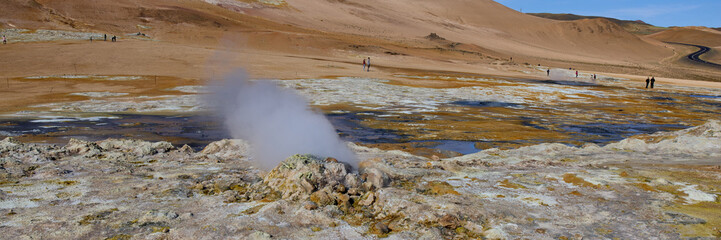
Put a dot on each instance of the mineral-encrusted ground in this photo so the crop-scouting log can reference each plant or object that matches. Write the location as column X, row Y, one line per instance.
column 662, row 186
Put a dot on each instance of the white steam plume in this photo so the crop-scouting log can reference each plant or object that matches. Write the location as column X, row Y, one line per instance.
column 563, row 75
column 277, row 122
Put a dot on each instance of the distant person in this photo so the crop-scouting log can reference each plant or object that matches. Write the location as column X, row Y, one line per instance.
column 648, row 80
column 369, row 64
column 364, row 64
column 105, row 37
column 594, row 76
column 5, row 40
column 114, row 39
column 653, row 80
column 511, row 59
column 91, row 39
column 548, row 72
column 576, row 73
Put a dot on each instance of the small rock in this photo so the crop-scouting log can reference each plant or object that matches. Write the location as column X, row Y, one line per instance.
column 342, row 198
column 661, row 181
column 310, row 205
column 307, row 186
column 186, row 216
column 353, row 191
column 380, row 228
column 449, row 221
column 186, row 149
column 352, row 181
column 473, row 227
column 330, row 159
column 157, row 216
column 322, row 198
column 258, row 235
column 377, row 178
column 340, row 188
column 231, row 196
column 367, row 199
column 495, row 233
column 367, row 186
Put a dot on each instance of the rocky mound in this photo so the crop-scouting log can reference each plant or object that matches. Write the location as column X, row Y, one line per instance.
column 434, row 36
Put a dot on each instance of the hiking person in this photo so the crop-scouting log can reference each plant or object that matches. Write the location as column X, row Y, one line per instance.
column 576, row 73
column 5, row 40
column 105, row 37
column 114, row 39
column 594, row 76
column 548, row 72
column 91, row 38
column 648, row 80
column 364, row 64
column 653, row 80
column 369, row 64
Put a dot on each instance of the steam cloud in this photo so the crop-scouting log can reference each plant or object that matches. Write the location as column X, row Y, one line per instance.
column 277, row 122
column 563, row 74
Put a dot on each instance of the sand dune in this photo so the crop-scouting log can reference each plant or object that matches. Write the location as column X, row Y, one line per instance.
column 483, row 23
column 691, row 35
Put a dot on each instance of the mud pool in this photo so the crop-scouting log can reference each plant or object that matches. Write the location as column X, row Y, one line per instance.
column 427, row 115
column 194, row 130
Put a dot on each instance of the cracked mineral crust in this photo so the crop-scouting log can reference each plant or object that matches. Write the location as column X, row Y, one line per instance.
column 666, row 184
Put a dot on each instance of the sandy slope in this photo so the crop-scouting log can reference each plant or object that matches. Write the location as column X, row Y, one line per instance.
column 483, row 23
column 196, row 39
column 691, row 35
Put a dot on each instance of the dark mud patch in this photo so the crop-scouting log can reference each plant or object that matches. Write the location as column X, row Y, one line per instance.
column 602, row 133
column 527, row 121
column 661, row 98
column 196, row 130
column 703, row 96
column 349, row 127
column 467, row 103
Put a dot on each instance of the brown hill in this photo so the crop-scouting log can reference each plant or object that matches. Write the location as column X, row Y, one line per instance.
column 484, row 23
column 691, row 35
column 635, row 27
column 475, row 32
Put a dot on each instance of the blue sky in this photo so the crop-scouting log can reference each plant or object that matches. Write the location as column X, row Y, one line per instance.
column 657, row 12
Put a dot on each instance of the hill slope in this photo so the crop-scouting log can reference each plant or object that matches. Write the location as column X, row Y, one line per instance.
column 484, row 23
column 635, row 27
column 691, row 35
column 318, row 27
